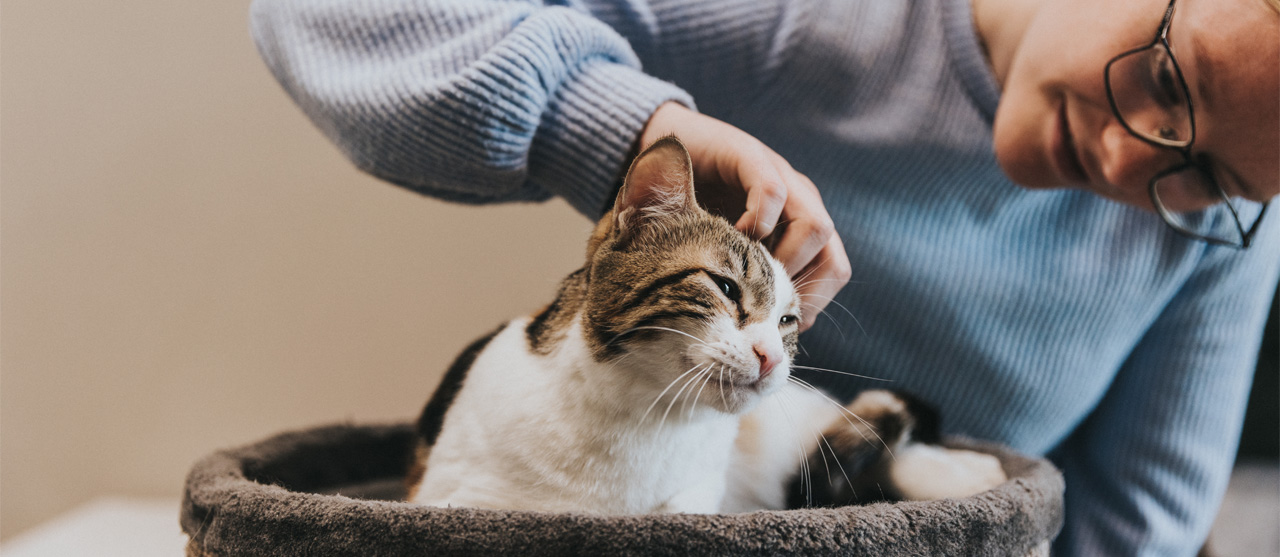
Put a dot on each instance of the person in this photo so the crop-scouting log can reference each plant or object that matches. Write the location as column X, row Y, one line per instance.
column 1053, row 213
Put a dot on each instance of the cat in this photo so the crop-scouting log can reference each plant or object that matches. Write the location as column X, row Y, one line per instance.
column 659, row 381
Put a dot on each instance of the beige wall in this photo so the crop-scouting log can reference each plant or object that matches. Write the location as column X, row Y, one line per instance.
column 186, row 264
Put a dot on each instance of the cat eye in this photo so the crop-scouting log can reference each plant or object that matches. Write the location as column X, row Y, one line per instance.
column 787, row 320
column 726, row 286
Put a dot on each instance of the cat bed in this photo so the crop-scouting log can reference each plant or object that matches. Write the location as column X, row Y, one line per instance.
column 332, row 491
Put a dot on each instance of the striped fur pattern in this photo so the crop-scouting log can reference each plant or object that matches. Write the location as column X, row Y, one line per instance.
column 657, row 380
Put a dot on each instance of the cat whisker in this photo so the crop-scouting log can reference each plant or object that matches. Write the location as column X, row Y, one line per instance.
column 664, row 391
column 841, row 306
column 690, row 398
column 840, row 372
column 656, row 328
column 819, row 438
column 676, row 398
column 706, row 378
column 838, row 465
column 843, row 410
column 800, row 285
column 806, row 481
column 721, row 381
column 776, row 227
column 684, row 405
column 846, row 411
column 811, row 271
column 828, row 316
column 798, row 281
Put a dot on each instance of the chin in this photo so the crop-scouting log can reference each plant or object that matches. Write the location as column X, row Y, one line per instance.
column 1029, row 174
column 742, row 398
column 1020, row 150
column 1137, row 200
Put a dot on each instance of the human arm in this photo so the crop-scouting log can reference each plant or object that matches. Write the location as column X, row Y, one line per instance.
column 1147, row 469
column 466, row 100
column 484, row 101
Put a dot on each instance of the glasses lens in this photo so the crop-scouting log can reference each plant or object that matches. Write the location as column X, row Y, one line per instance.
column 1192, row 204
column 1150, row 96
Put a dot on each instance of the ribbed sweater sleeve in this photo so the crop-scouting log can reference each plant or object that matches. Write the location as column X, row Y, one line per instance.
column 466, row 100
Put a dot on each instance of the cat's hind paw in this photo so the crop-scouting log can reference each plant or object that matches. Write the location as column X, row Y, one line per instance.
column 926, row 472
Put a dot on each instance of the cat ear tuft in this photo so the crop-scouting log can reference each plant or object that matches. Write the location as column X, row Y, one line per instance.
column 659, row 183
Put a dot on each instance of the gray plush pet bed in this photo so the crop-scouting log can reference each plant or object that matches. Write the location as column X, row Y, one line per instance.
column 331, row 491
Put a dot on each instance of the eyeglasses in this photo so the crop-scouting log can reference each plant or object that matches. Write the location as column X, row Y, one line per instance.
column 1150, row 98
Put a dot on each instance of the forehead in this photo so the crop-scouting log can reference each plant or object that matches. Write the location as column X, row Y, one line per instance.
column 715, row 246
column 1230, row 53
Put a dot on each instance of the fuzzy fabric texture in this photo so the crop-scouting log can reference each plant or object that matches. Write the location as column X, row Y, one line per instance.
column 313, row 492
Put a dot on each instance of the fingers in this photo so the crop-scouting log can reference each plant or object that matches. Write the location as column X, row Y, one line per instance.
column 806, row 229
column 742, row 179
column 821, row 279
column 786, row 202
column 767, row 194
column 787, row 205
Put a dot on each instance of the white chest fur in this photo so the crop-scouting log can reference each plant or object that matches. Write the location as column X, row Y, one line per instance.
column 563, row 433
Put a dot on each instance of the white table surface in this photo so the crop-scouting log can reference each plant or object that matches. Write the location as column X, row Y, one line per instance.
column 107, row 527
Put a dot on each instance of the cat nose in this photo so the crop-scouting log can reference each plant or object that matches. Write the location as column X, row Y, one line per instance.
column 768, row 359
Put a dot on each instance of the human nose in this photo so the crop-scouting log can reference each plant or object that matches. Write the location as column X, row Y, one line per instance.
column 1128, row 163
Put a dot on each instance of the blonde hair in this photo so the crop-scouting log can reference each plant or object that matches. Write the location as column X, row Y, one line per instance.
column 1274, row 5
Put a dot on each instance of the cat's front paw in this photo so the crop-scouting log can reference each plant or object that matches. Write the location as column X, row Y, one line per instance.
column 926, row 472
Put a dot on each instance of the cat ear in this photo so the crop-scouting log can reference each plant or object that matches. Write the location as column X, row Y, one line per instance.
column 659, row 183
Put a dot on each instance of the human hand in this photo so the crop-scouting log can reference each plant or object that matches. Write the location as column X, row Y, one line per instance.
column 739, row 177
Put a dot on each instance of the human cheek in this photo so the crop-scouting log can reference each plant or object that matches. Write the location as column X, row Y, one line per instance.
column 1018, row 140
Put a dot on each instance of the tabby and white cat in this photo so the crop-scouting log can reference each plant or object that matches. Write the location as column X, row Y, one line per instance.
column 659, row 380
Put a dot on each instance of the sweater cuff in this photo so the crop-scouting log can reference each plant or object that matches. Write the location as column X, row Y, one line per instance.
column 589, row 132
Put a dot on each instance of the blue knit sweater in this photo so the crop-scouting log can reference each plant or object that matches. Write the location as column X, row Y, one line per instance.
column 1057, row 322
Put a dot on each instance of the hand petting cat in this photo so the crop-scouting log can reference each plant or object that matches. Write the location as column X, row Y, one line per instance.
column 742, row 179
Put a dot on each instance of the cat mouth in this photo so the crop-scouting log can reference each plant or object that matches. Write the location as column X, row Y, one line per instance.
column 752, row 385
column 746, row 380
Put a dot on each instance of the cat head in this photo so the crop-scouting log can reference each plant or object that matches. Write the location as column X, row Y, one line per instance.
column 678, row 296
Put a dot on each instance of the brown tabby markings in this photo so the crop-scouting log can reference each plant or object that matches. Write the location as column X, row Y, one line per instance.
column 664, row 270
column 664, row 276
column 551, row 324
column 417, row 469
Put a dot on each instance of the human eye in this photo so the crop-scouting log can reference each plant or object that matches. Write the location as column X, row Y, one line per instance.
column 1162, row 81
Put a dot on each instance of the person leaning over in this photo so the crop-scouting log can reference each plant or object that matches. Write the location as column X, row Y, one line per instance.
column 1054, row 213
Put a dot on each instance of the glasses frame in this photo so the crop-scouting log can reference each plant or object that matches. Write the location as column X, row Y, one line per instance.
column 1188, row 161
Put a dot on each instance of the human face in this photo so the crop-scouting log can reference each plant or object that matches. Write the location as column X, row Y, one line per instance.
column 1054, row 126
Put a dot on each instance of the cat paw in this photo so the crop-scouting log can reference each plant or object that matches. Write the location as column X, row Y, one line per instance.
column 927, row 472
column 895, row 415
